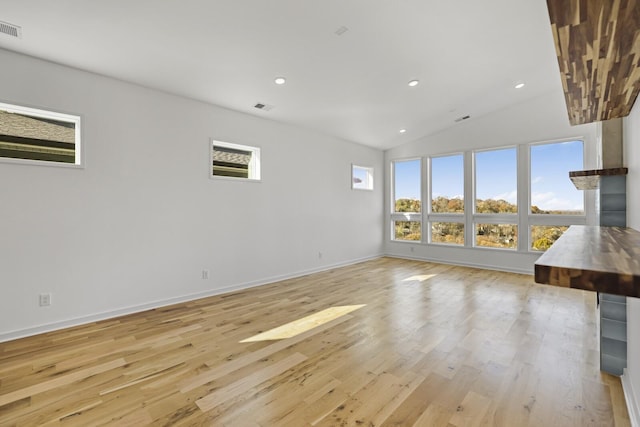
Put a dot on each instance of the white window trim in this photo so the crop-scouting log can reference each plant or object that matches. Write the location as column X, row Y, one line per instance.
column 431, row 216
column 555, row 219
column 255, row 174
column 369, row 173
column 406, row 216
column 53, row 115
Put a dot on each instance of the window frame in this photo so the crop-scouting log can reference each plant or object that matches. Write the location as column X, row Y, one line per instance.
column 406, row 216
column 523, row 219
column 76, row 119
column 368, row 182
column 503, row 218
column 554, row 219
column 449, row 217
column 254, row 167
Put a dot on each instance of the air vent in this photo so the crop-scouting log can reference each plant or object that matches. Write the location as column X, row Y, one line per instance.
column 10, row 30
column 459, row 119
column 264, row 107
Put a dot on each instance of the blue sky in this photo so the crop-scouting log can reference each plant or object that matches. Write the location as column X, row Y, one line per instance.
column 496, row 176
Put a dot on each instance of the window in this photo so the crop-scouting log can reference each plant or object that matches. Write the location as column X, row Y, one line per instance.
column 407, row 201
column 361, row 178
column 447, row 184
column 496, row 181
column 446, row 195
column 543, row 236
column 478, row 199
column 235, row 161
column 29, row 135
column 447, row 232
column 555, row 203
column 503, row 236
column 551, row 192
column 408, row 230
column 496, row 198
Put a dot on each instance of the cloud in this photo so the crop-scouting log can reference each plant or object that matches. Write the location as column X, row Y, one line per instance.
column 509, row 196
column 537, row 179
column 550, row 201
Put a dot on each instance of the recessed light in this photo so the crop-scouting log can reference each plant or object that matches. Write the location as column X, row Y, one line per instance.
column 413, row 83
column 519, row 85
column 403, row 130
column 280, row 80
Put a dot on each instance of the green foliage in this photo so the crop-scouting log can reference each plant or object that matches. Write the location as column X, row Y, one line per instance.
column 408, row 205
column 444, row 205
column 497, row 235
column 408, row 230
column 543, row 236
column 487, row 235
column 495, row 206
column 447, row 232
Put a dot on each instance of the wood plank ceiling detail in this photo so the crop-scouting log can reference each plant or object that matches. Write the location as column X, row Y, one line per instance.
column 598, row 48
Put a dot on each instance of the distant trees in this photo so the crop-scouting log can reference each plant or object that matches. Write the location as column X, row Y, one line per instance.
column 408, row 205
column 488, row 235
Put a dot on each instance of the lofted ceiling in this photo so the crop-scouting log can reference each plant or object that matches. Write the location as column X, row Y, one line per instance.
column 347, row 62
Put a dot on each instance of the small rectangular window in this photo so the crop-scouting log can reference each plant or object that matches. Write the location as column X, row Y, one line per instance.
column 29, row 135
column 361, row 177
column 235, row 161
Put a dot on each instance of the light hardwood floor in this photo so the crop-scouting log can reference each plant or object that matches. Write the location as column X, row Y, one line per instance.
column 433, row 345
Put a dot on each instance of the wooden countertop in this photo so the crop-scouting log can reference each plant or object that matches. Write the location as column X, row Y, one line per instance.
column 601, row 259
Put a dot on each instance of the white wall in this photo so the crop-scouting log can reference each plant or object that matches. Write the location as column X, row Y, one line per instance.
column 631, row 378
column 540, row 119
column 136, row 227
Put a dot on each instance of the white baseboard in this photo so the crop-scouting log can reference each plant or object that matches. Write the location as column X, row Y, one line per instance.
column 463, row 264
column 54, row 326
column 631, row 398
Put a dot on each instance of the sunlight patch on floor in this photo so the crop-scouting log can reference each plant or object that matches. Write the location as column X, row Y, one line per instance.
column 420, row 277
column 299, row 326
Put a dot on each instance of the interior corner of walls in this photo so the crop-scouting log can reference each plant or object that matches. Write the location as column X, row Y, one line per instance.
column 631, row 398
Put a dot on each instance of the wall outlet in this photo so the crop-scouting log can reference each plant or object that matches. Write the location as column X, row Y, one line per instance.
column 205, row 274
column 45, row 300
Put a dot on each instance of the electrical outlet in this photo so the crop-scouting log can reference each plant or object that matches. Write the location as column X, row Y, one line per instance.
column 45, row 300
column 205, row 274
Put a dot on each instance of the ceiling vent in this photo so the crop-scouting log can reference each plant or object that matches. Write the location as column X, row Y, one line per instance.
column 264, row 107
column 459, row 119
column 10, row 30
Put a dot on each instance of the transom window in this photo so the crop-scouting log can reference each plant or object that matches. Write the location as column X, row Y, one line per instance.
column 33, row 136
column 235, row 161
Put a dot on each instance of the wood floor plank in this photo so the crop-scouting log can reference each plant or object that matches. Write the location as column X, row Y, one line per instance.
column 432, row 345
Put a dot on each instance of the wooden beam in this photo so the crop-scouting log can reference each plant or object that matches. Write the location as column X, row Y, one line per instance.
column 598, row 48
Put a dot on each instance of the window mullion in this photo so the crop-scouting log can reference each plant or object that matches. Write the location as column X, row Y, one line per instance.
column 469, row 200
column 524, row 198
